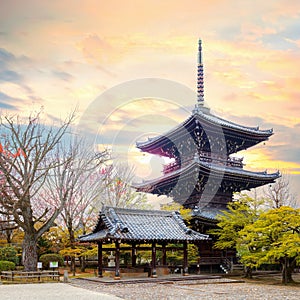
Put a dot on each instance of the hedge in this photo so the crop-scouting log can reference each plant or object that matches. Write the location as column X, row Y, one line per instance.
column 6, row 265
column 52, row 257
column 9, row 253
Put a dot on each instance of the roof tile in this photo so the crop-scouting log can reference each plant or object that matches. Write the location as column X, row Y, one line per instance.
column 145, row 225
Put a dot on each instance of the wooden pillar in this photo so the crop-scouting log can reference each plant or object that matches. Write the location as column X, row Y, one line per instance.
column 133, row 255
column 164, row 255
column 117, row 258
column 185, row 260
column 153, row 266
column 199, row 258
column 100, row 263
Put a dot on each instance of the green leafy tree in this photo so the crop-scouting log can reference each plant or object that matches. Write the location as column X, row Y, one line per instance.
column 240, row 213
column 184, row 212
column 193, row 253
column 273, row 237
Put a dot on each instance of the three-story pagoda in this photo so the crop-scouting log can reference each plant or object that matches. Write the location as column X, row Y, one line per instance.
column 204, row 174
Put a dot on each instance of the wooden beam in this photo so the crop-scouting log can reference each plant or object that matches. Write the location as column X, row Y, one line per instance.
column 145, row 248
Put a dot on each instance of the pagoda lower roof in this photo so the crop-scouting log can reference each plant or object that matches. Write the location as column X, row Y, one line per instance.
column 208, row 121
column 208, row 169
column 208, row 213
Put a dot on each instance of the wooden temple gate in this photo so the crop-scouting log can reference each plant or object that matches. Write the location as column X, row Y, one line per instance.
column 137, row 227
column 134, row 248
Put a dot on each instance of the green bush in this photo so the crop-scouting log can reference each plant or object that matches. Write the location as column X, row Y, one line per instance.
column 9, row 253
column 6, row 265
column 47, row 258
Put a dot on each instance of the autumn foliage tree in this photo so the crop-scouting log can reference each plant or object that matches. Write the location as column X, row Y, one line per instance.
column 26, row 161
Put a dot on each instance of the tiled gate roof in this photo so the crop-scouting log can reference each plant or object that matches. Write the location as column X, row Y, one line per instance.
column 141, row 226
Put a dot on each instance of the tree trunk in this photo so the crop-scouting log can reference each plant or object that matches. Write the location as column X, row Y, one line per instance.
column 287, row 270
column 8, row 235
column 29, row 252
column 72, row 244
column 248, row 272
column 82, row 263
column 73, row 265
column 289, row 274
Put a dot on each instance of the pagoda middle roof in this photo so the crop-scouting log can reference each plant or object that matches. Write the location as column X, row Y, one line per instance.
column 203, row 114
column 216, row 169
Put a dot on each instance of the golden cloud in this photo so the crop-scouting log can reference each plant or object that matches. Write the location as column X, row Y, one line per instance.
column 261, row 159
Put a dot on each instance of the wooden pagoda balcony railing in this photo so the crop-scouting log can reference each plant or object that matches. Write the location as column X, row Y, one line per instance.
column 205, row 157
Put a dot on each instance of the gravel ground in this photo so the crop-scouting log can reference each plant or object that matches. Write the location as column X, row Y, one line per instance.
column 225, row 289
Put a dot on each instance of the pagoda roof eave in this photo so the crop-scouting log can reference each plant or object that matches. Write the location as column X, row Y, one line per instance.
column 212, row 168
column 231, row 125
column 208, row 213
column 204, row 116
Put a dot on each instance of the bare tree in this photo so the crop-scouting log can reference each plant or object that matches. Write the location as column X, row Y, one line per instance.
column 83, row 179
column 279, row 193
column 7, row 225
column 25, row 164
column 119, row 192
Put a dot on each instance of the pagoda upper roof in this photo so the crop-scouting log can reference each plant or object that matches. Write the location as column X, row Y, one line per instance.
column 141, row 225
column 203, row 112
column 201, row 115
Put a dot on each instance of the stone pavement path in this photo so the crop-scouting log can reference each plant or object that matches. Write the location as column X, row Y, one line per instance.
column 50, row 291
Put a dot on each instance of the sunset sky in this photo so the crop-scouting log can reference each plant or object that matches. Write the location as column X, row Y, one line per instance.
column 86, row 55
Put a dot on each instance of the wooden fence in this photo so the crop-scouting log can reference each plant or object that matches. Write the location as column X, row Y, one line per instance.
column 21, row 276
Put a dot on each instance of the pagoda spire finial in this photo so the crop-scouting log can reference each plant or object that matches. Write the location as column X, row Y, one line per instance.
column 200, row 81
column 199, row 107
